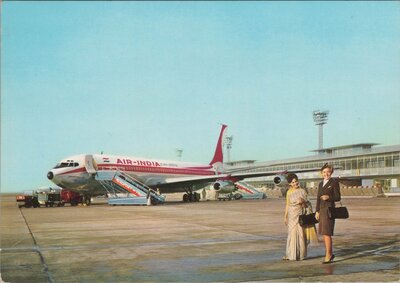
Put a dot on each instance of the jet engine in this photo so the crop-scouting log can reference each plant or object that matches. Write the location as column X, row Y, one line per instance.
column 224, row 186
column 280, row 180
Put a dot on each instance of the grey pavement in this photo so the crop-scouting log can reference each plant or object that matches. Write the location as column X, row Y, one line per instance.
column 209, row 241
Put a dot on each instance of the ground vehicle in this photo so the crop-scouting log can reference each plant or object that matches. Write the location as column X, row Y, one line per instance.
column 28, row 199
column 49, row 196
column 68, row 196
column 230, row 196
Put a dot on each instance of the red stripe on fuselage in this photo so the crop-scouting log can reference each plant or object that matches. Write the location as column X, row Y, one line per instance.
column 78, row 170
column 149, row 169
column 156, row 169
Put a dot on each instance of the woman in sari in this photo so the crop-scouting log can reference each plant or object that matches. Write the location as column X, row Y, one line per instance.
column 296, row 202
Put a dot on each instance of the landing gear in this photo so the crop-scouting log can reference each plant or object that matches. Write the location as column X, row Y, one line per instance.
column 191, row 197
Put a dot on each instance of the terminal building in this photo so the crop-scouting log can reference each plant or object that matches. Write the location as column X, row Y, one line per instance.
column 363, row 165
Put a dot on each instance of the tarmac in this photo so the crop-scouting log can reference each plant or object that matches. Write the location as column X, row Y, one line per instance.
column 208, row 241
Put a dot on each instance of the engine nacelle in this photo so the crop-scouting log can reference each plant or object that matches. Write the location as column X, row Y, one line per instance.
column 280, row 180
column 224, row 186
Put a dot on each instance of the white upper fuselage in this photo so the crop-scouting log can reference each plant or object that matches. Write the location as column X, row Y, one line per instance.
column 143, row 167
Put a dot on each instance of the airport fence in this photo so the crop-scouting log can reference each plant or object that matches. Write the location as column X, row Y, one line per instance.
column 352, row 191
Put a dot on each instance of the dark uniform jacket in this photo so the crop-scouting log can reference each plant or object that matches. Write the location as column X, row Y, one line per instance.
column 332, row 189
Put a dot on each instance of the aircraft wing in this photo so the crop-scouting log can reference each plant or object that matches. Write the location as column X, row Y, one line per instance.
column 178, row 184
column 244, row 175
column 181, row 182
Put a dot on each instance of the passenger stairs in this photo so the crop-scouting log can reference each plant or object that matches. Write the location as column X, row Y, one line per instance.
column 122, row 189
column 248, row 191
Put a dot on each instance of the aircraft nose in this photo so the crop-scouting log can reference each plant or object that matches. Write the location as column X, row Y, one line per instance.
column 50, row 175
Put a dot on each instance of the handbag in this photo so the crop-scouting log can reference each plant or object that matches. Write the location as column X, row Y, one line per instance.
column 340, row 212
column 306, row 220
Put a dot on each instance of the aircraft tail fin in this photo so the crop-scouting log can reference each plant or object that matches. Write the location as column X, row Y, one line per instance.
column 218, row 155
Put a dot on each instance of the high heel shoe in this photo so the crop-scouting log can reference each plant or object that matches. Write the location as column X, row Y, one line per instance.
column 330, row 260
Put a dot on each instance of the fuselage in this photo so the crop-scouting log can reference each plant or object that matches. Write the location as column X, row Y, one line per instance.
column 73, row 172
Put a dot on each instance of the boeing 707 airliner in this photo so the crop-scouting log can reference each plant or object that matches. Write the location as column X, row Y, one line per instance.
column 77, row 173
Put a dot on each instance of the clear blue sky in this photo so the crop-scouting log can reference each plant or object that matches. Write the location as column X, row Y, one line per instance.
column 145, row 78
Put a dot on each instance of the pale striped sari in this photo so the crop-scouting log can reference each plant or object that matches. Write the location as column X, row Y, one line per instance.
column 296, row 245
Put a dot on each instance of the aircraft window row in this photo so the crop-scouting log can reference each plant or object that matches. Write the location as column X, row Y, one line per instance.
column 66, row 164
column 151, row 169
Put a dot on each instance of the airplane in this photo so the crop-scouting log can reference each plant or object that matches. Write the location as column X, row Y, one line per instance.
column 77, row 173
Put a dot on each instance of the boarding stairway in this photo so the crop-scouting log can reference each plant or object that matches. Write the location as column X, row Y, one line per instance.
column 122, row 189
column 248, row 191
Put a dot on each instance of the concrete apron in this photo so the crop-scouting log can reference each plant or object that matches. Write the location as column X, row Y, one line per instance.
column 210, row 241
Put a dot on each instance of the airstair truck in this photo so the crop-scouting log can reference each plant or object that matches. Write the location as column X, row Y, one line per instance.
column 122, row 189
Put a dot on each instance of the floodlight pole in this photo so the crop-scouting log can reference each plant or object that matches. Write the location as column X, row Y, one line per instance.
column 320, row 119
column 179, row 152
column 228, row 143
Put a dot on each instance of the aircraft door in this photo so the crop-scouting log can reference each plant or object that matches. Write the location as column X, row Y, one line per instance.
column 90, row 164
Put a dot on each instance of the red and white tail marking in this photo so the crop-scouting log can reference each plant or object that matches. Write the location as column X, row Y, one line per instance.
column 218, row 155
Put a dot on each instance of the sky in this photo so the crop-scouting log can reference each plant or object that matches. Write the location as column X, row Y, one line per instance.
column 145, row 78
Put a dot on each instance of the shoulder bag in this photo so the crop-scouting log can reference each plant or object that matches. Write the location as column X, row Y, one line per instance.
column 306, row 220
column 340, row 212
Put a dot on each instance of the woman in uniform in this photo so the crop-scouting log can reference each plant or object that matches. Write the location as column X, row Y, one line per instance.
column 328, row 193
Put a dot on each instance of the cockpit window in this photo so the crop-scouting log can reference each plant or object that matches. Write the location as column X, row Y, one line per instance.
column 66, row 164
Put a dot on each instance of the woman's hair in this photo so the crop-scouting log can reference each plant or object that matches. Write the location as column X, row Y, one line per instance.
column 326, row 165
column 291, row 176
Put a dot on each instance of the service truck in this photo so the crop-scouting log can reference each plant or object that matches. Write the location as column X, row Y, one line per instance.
column 28, row 199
